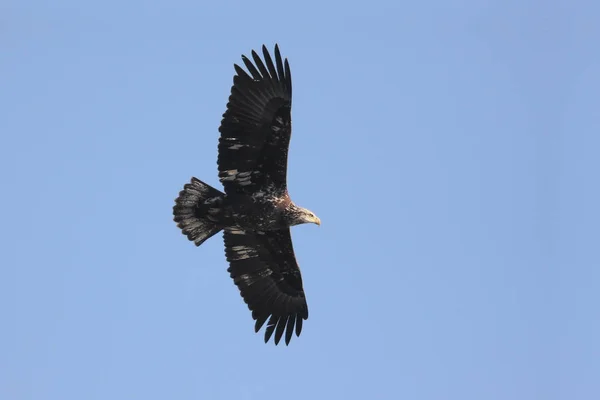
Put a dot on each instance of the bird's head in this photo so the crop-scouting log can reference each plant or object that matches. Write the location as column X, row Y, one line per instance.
column 299, row 215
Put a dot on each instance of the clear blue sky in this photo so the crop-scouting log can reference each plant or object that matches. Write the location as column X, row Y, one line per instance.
column 450, row 149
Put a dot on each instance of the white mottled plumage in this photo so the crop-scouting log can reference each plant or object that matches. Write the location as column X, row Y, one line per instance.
column 243, row 252
column 236, row 231
column 233, row 175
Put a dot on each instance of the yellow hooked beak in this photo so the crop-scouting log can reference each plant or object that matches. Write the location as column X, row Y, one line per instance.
column 317, row 221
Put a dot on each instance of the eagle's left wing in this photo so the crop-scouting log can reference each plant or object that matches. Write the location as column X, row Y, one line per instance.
column 257, row 126
column 264, row 268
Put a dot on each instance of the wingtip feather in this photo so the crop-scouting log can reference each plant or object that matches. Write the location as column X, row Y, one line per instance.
column 281, row 324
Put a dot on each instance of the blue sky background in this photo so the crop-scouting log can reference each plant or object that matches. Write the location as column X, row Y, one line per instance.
column 450, row 149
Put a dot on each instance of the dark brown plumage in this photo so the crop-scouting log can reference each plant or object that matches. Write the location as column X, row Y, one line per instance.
column 255, row 211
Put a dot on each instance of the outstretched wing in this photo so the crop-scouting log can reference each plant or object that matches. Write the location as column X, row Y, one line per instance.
column 264, row 268
column 257, row 126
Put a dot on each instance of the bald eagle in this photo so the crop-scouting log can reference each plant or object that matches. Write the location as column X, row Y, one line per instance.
column 256, row 211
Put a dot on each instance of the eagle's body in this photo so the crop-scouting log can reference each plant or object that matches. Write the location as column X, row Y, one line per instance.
column 266, row 212
column 256, row 211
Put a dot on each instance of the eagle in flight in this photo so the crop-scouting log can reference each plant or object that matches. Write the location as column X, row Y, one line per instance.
column 256, row 211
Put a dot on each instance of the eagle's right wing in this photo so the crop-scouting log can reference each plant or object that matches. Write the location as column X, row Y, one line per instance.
column 264, row 268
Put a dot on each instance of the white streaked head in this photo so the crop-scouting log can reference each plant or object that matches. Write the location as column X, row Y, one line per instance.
column 299, row 215
column 311, row 218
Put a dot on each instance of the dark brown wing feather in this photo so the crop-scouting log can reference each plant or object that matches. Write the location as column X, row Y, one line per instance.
column 257, row 126
column 264, row 268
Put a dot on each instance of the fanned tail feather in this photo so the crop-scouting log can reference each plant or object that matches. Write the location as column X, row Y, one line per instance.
column 197, row 210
